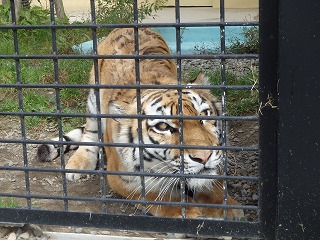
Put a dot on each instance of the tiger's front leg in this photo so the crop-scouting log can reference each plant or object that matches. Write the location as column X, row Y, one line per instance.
column 86, row 157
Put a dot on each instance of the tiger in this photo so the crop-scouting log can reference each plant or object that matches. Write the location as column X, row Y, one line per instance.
column 154, row 131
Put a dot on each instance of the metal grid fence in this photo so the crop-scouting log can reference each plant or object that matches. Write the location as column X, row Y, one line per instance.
column 33, row 210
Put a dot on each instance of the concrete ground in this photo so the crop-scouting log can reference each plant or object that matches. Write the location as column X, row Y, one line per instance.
column 203, row 14
column 187, row 14
column 81, row 11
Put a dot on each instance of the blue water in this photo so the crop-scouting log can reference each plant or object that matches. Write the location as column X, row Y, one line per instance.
column 193, row 39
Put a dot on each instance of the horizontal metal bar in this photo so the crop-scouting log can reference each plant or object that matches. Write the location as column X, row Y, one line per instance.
column 205, row 227
column 145, row 174
column 103, row 144
column 131, row 116
column 129, row 86
column 132, row 56
column 130, row 201
column 129, row 25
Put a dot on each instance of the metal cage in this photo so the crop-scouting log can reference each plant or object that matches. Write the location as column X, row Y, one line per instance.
column 30, row 209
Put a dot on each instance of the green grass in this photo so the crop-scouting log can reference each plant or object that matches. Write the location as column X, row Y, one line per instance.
column 41, row 71
column 238, row 102
column 8, row 202
column 44, row 100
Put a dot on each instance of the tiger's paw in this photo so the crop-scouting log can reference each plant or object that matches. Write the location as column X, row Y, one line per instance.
column 47, row 152
column 79, row 162
column 194, row 212
column 236, row 214
column 73, row 177
column 219, row 213
column 175, row 212
column 190, row 213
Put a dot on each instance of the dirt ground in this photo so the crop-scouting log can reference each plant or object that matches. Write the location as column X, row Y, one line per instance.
column 50, row 183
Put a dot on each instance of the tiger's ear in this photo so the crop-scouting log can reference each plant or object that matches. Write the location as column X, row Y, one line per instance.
column 201, row 79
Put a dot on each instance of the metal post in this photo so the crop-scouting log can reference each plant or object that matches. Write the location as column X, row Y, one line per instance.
column 299, row 118
column 268, row 80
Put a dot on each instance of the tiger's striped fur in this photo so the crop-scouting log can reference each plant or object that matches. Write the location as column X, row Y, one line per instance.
column 154, row 131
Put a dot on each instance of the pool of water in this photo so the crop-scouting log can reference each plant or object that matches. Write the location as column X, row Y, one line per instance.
column 193, row 39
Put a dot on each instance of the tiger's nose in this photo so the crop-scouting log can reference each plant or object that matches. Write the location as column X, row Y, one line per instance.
column 201, row 157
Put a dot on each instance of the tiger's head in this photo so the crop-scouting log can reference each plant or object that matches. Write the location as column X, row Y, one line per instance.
column 162, row 132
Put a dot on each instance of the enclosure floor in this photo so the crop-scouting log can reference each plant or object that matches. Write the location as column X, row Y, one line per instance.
column 81, row 11
column 203, row 14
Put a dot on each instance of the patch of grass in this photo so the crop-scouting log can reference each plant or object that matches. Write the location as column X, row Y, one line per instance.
column 238, row 102
column 40, row 71
column 8, row 104
column 44, row 100
column 8, row 202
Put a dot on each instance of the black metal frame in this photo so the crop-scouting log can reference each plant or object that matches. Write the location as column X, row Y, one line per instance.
column 298, row 160
column 268, row 79
column 289, row 179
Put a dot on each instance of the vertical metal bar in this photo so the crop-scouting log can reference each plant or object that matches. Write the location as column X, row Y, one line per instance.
column 139, row 108
column 299, row 101
column 103, row 186
column 58, row 102
column 223, row 100
column 268, row 81
column 180, row 107
column 20, row 99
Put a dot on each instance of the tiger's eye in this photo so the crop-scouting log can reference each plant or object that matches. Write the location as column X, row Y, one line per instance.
column 206, row 112
column 162, row 126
